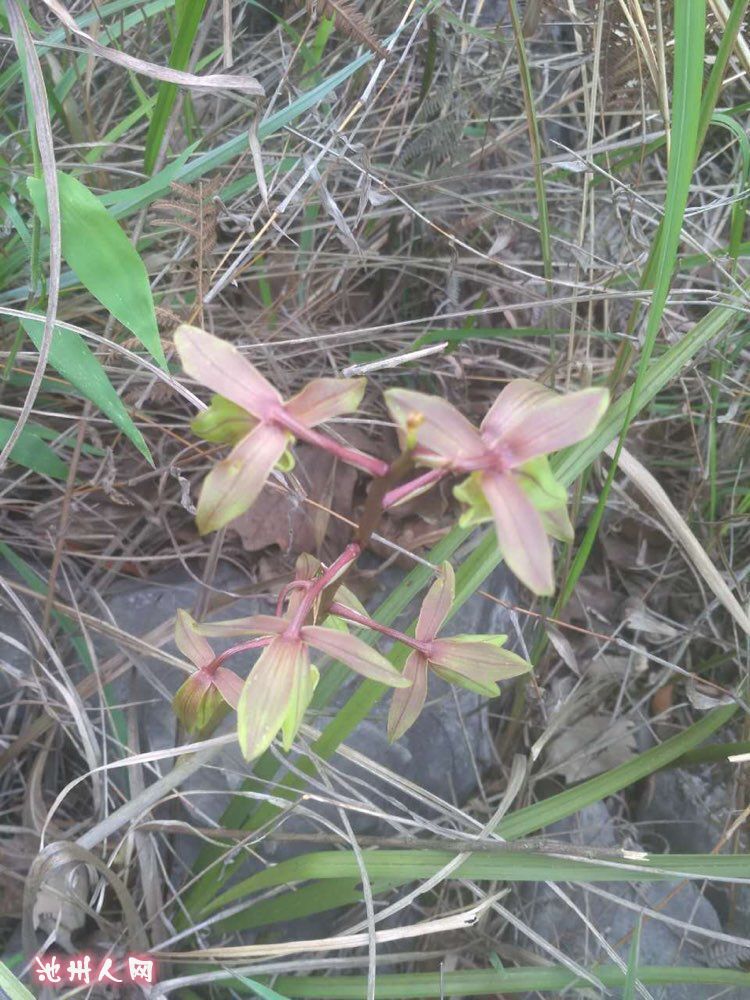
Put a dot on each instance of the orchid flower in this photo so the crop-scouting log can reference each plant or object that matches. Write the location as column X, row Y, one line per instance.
column 475, row 662
column 250, row 414
column 278, row 691
column 510, row 481
column 207, row 694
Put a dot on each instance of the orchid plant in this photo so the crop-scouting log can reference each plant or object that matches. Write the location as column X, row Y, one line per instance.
column 506, row 479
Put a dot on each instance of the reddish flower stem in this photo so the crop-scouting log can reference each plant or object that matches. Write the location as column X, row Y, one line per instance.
column 348, row 556
column 350, row 615
column 352, row 456
column 240, row 648
column 400, row 493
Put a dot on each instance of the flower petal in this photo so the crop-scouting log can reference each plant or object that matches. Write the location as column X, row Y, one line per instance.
column 469, row 492
column 305, row 681
column 267, row 693
column 437, row 604
column 557, row 524
column 198, row 704
column 234, row 484
column 520, row 532
column 325, row 398
column 538, row 482
column 443, row 435
column 407, row 703
column 189, row 641
column 229, row 685
column 232, row 628
column 531, row 420
column 355, row 653
column 224, row 422
column 220, row 366
column 477, row 659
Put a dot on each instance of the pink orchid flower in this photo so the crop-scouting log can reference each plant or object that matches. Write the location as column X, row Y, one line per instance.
column 475, row 662
column 251, row 415
column 510, row 481
column 278, row 691
column 207, row 694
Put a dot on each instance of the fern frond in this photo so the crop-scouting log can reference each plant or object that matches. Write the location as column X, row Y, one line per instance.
column 349, row 20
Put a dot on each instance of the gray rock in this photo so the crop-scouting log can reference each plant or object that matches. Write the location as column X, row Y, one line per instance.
column 660, row 944
column 687, row 812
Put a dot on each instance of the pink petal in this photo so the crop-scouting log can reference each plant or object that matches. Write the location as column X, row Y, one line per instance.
column 266, row 695
column 252, row 625
column 407, row 703
column 437, row 603
column 234, row 484
column 530, row 420
column 325, row 398
column 229, row 685
column 442, row 434
column 480, row 661
column 355, row 653
column 220, row 366
column 520, row 532
column 189, row 641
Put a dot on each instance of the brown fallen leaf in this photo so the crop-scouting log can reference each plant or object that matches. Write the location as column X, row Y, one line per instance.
column 298, row 519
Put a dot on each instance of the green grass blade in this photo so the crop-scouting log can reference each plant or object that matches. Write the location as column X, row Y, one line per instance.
column 689, row 37
column 12, row 987
column 399, row 867
column 189, row 20
column 75, row 362
column 481, row 982
column 631, row 980
column 535, row 140
column 716, row 78
column 103, row 258
column 31, row 451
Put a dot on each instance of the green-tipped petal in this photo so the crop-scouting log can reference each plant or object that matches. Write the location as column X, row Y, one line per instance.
column 407, row 703
column 220, row 366
column 306, row 681
column 477, row 659
column 326, row 398
column 233, row 628
column 229, row 686
column 233, row 485
column 267, row 694
column 530, row 420
column 355, row 653
column 189, row 641
column 520, row 532
column 436, row 604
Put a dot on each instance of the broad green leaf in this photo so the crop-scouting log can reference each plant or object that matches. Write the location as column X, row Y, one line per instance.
column 75, row 362
column 103, row 258
column 31, row 451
